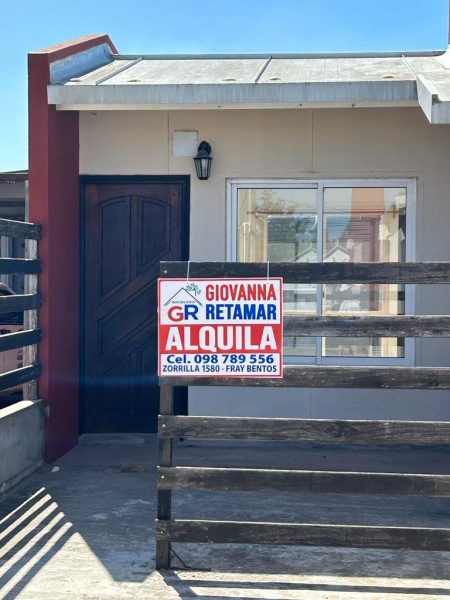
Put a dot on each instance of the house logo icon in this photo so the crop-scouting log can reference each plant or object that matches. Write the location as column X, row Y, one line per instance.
column 185, row 295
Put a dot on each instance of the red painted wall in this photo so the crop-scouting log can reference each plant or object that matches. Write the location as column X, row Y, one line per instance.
column 54, row 202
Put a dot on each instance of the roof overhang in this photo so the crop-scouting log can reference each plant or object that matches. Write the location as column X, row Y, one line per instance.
column 178, row 83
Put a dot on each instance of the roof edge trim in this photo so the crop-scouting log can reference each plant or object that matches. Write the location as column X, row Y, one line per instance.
column 280, row 55
column 436, row 110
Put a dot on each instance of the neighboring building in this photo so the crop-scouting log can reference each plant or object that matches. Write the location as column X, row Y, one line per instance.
column 341, row 157
column 13, row 205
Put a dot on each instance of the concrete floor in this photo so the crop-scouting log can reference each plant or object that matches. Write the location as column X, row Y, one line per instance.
column 83, row 528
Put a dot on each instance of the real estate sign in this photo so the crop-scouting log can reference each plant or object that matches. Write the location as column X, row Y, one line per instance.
column 220, row 327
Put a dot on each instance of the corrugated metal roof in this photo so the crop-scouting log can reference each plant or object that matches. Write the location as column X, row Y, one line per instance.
column 260, row 80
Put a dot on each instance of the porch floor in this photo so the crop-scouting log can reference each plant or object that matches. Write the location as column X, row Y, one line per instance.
column 85, row 530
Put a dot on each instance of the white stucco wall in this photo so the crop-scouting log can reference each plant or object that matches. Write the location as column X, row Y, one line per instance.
column 304, row 143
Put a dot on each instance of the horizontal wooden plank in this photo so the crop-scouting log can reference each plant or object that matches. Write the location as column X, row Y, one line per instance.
column 366, row 326
column 425, row 272
column 295, row 534
column 14, row 378
column 9, row 341
column 19, row 303
column 12, row 202
column 332, row 377
column 316, row 482
column 8, row 266
column 19, row 229
column 306, row 430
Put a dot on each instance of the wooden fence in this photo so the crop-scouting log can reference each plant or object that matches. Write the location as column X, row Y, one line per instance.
column 29, row 338
column 171, row 478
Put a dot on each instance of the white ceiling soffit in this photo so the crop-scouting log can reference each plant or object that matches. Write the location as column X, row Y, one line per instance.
column 152, row 83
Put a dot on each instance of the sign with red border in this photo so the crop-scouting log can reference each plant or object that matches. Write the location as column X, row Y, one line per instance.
column 220, row 327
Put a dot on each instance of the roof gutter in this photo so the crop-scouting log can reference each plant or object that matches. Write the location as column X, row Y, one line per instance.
column 275, row 55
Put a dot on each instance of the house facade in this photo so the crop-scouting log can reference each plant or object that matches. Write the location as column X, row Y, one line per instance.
column 315, row 158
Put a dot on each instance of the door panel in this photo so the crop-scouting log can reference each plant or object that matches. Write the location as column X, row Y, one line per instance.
column 129, row 227
column 114, row 221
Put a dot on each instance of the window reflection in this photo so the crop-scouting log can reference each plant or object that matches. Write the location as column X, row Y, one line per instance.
column 360, row 224
column 364, row 225
column 280, row 225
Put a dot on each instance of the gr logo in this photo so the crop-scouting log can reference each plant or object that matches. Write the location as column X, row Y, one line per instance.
column 183, row 313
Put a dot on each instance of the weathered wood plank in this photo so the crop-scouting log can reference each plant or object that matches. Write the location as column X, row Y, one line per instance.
column 19, row 229
column 19, row 376
column 302, row 376
column 8, row 266
column 9, row 341
column 165, row 458
column 432, row 272
column 316, row 482
column 317, row 430
column 344, row 536
column 19, row 303
column 364, row 326
column 306, row 430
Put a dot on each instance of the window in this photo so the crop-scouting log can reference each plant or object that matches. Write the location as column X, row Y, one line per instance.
column 330, row 221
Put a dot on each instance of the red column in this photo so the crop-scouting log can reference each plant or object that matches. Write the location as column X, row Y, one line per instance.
column 54, row 203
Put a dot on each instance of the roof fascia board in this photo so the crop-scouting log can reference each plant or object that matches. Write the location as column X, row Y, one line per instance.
column 275, row 93
column 234, row 106
column 436, row 110
column 427, row 95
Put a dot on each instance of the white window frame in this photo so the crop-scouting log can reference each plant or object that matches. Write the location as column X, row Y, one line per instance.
column 233, row 185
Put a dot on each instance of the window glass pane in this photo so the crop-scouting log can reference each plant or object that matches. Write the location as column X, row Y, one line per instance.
column 280, row 225
column 364, row 225
column 277, row 225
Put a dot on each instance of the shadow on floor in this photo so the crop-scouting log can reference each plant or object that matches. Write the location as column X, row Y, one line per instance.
column 87, row 530
column 30, row 536
column 195, row 587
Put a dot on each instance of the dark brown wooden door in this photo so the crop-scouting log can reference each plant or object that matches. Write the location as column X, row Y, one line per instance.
column 129, row 228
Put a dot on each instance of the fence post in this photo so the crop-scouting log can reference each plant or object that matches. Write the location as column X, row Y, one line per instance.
column 30, row 353
column 163, row 548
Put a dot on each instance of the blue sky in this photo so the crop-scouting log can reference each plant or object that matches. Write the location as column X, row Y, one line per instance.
column 203, row 26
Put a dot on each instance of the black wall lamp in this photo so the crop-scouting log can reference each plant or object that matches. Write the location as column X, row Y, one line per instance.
column 203, row 160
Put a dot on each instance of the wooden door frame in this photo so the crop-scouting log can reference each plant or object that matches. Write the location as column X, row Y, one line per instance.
column 181, row 402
